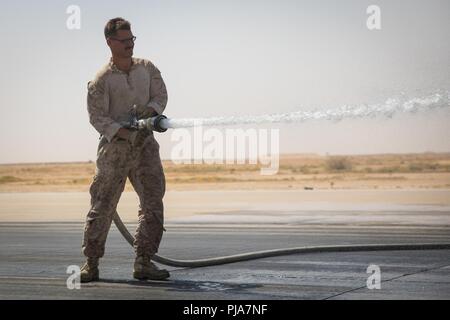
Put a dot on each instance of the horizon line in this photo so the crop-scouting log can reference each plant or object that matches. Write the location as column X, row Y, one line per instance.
column 281, row 155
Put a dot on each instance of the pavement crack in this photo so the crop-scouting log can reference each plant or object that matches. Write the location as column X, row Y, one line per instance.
column 388, row 280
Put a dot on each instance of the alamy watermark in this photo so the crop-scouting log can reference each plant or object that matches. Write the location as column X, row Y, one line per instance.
column 73, row 21
column 231, row 146
column 373, row 22
column 374, row 280
column 73, row 281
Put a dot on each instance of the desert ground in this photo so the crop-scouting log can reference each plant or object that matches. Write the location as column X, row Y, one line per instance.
column 299, row 171
column 216, row 210
column 60, row 191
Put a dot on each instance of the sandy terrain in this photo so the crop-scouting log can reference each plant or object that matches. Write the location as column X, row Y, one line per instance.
column 59, row 192
column 73, row 206
column 390, row 171
column 221, row 210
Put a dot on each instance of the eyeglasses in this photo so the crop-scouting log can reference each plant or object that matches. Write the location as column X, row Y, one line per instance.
column 123, row 41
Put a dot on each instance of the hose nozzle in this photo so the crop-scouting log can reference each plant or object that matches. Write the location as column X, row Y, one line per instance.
column 154, row 123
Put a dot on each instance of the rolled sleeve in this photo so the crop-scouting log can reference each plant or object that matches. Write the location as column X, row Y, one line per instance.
column 98, row 104
column 158, row 91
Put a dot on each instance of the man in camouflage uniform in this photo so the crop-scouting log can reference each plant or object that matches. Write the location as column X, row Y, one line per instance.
column 125, row 85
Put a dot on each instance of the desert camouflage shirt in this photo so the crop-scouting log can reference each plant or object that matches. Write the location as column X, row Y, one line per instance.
column 113, row 92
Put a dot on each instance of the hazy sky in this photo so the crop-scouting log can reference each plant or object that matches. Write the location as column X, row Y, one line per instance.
column 228, row 58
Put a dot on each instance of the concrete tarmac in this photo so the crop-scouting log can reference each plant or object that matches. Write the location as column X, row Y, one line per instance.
column 41, row 235
column 34, row 259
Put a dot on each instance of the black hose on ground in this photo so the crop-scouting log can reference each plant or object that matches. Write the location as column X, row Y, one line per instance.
column 278, row 252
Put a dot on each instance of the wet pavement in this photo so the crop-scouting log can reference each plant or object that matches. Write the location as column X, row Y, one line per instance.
column 34, row 258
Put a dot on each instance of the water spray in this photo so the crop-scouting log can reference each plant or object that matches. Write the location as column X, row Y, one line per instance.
column 392, row 106
column 161, row 123
column 437, row 100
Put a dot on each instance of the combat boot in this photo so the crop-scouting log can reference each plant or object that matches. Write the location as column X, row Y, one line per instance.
column 89, row 271
column 144, row 269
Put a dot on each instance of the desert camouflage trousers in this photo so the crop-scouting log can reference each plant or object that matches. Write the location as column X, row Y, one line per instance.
column 116, row 161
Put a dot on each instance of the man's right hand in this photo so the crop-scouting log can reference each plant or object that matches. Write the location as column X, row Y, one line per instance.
column 143, row 112
column 123, row 133
column 127, row 135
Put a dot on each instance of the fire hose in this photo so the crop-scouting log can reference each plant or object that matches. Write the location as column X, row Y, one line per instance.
column 158, row 123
